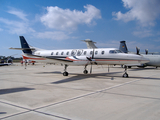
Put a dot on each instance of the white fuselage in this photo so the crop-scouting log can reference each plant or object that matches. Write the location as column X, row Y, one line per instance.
column 154, row 60
column 99, row 56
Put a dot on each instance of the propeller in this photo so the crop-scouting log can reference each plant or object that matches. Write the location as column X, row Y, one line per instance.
column 108, row 68
column 137, row 49
column 146, row 50
column 91, row 59
column 91, row 69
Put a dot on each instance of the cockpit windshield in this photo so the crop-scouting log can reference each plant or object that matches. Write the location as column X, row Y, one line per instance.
column 115, row 51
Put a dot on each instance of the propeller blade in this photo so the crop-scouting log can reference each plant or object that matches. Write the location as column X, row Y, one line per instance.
column 137, row 49
column 91, row 69
column 108, row 68
column 89, row 58
column 146, row 50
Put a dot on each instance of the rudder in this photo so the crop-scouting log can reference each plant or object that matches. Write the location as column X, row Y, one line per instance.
column 123, row 47
column 25, row 45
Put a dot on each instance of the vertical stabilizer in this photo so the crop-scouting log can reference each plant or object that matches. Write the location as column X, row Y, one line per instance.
column 25, row 45
column 123, row 47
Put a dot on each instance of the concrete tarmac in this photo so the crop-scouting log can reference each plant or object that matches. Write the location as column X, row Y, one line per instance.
column 41, row 92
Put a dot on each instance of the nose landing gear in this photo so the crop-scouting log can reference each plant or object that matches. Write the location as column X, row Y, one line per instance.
column 125, row 75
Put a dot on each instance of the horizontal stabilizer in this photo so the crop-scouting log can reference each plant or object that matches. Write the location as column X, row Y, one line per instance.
column 22, row 48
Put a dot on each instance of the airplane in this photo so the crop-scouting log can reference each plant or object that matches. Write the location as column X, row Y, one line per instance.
column 154, row 58
column 3, row 63
column 81, row 57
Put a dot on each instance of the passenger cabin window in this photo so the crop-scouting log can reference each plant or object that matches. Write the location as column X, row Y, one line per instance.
column 96, row 52
column 51, row 53
column 73, row 52
column 91, row 52
column 67, row 53
column 79, row 52
column 85, row 52
column 56, row 53
column 102, row 52
column 62, row 53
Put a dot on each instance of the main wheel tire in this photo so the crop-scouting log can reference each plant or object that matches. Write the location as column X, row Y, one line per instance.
column 65, row 74
column 85, row 71
column 129, row 66
column 125, row 75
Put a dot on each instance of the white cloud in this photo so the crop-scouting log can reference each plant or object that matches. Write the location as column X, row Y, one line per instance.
column 16, row 27
column 65, row 19
column 144, row 11
column 109, row 44
column 157, row 40
column 57, row 35
column 1, row 29
column 18, row 13
column 143, row 33
column 89, row 31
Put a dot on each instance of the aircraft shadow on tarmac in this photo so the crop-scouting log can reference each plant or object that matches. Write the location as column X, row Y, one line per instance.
column 3, row 112
column 74, row 77
column 13, row 90
column 145, row 69
column 111, row 75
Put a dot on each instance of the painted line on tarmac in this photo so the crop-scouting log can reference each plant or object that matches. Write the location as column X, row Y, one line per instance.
column 88, row 94
column 91, row 93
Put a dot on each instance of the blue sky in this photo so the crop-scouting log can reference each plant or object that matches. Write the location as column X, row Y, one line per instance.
column 61, row 24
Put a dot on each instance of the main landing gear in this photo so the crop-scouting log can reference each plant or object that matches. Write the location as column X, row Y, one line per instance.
column 125, row 73
column 65, row 73
column 85, row 71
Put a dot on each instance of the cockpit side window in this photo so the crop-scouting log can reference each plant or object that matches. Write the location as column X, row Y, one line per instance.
column 112, row 51
column 118, row 51
column 115, row 51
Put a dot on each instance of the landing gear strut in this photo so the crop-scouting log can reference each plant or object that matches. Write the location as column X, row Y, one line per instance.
column 65, row 73
column 125, row 73
column 85, row 71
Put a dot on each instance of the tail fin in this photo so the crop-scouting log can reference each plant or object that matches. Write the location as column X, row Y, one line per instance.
column 123, row 47
column 24, row 45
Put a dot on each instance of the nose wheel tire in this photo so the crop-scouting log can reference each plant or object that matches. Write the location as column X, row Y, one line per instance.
column 65, row 74
column 125, row 75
